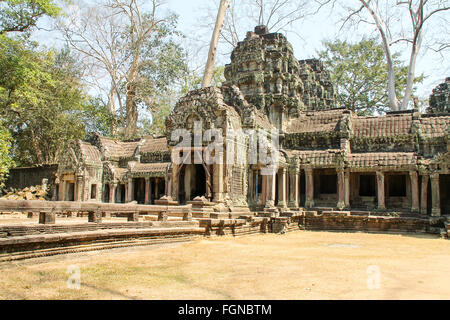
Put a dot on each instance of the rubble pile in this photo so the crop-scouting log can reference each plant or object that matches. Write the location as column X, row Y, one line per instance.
column 28, row 193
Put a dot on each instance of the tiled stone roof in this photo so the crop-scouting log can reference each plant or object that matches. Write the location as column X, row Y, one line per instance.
column 118, row 149
column 149, row 167
column 318, row 157
column 315, row 121
column 382, row 159
column 90, row 153
column 389, row 125
column 432, row 127
column 151, row 144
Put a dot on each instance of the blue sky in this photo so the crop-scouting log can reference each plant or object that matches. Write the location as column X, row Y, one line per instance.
column 310, row 33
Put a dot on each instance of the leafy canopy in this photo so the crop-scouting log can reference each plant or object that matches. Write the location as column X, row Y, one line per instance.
column 360, row 74
column 21, row 15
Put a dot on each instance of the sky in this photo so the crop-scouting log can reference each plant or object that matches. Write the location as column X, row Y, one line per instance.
column 306, row 41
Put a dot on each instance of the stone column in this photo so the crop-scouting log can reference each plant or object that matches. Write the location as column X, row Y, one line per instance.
column 175, row 183
column 380, row 186
column 435, row 196
column 270, row 187
column 61, row 191
column 424, row 195
column 130, row 190
column 309, row 186
column 282, row 188
column 263, row 189
column 147, row 190
column 78, row 188
column 112, row 192
column 347, row 189
column 169, row 186
column 218, row 179
column 414, row 191
column 341, row 189
column 293, row 188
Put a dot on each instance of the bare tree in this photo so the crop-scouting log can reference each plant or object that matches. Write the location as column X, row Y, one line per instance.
column 388, row 19
column 113, row 36
column 244, row 15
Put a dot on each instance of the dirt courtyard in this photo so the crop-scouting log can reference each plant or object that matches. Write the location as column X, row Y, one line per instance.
column 297, row 265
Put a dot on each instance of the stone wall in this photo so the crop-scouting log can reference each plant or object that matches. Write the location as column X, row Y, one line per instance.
column 20, row 178
column 440, row 98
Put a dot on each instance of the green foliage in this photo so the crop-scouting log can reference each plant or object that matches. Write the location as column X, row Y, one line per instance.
column 41, row 100
column 5, row 158
column 192, row 80
column 21, row 15
column 360, row 74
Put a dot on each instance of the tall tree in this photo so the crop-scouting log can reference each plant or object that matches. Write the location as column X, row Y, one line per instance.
column 360, row 74
column 385, row 16
column 134, row 45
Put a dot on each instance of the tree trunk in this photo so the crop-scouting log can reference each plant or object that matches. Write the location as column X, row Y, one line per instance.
column 213, row 45
column 411, row 68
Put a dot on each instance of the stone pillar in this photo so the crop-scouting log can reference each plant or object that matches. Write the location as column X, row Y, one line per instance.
column 78, row 188
column 218, row 181
column 270, row 187
column 424, row 195
column 112, row 192
column 46, row 217
column 414, row 191
column 380, row 186
column 309, row 181
column 147, row 190
column 175, row 183
column 282, row 188
column 263, row 189
column 169, row 186
column 293, row 188
column 435, row 196
column 341, row 189
column 347, row 189
column 130, row 190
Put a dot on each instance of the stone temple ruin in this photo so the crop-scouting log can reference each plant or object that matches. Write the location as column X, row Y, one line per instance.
column 335, row 169
column 329, row 157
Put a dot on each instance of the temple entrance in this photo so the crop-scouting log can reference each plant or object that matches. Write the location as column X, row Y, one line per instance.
column 70, row 196
column 192, row 182
column 139, row 190
column 444, row 191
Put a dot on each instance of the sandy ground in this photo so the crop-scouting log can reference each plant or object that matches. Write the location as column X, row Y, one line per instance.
column 298, row 265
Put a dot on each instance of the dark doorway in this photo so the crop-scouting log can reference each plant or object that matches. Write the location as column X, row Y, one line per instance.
column 444, row 190
column 70, row 191
column 302, row 188
column 121, row 193
column 192, row 182
column 397, row 185
column 106, row 193
column 139, row 190
column 367, row 185
column 328, row 183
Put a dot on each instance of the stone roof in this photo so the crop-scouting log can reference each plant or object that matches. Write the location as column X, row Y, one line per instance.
column 150, row 144
column 382, row 159
column 317, row 157
column 149, row 167
column 433, row 127
column 388, row 125
column 315, row 121
column 117, row 149
column 90, row 153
